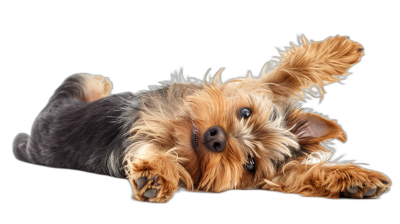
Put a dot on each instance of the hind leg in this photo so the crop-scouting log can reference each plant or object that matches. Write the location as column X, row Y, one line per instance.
column 84, row 87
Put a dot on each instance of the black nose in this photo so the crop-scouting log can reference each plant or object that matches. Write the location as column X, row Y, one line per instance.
column 215, row 139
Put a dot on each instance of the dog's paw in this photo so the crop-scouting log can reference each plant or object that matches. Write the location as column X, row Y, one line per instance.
column 104, row 83
column 373, row 186
column 100, row 87
column 153, row 188
column 96, row 87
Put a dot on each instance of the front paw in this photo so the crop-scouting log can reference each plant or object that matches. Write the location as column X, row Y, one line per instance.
column 153, row 188
column 373, row 186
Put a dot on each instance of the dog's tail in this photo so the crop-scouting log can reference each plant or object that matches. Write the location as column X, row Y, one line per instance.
column 20, row 147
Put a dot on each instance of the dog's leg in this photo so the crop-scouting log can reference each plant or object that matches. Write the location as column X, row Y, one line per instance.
column 330, row 180
column 301, row 67
column 155, row 175
column 84, row 87
column 312, row 63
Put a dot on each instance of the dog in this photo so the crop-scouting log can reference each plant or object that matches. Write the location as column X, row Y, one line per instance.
column 207, row 135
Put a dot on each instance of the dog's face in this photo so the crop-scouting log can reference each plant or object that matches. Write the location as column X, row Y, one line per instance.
column 251, row 134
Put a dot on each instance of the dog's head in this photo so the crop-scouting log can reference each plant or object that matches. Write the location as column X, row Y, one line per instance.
column 240, row 133
column 238, row 140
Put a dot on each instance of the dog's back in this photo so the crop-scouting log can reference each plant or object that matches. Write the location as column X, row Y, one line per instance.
column 71, row 132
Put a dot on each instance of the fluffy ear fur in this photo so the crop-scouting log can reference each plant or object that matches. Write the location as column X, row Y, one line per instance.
column 312, row 129
column 312, row 63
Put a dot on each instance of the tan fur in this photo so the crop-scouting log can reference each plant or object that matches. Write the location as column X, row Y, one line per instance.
column 302, row 67
column 275, row 135
column 327, row 180
column 95, row 87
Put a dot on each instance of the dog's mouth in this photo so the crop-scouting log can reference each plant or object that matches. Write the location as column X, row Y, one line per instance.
column 195, row 138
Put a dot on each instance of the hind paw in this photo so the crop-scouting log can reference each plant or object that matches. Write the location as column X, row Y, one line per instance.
column 105, row 84
column 96, row 87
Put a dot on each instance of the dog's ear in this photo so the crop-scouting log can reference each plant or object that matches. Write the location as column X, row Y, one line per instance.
column 315, row 63
column 312, row 129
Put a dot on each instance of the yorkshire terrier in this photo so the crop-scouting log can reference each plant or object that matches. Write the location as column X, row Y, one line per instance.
column 207, row 135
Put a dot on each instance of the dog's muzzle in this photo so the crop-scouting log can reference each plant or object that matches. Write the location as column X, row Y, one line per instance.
column 215, row 139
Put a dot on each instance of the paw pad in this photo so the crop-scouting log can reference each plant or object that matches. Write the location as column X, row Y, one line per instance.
column 151, row 188
column 354, row 190
column 365, row 191
column 141, row 182
column 150, row 192
column 370, row 192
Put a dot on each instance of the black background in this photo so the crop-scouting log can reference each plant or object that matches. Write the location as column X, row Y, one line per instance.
column 135, row 51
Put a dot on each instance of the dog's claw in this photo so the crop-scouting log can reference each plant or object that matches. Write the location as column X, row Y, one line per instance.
column 150, row 193
column 141, row 182
column 353, row 190
column 370, row 192
column 385, row 181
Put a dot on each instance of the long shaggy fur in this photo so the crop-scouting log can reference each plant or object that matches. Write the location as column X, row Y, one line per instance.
column 160, row 138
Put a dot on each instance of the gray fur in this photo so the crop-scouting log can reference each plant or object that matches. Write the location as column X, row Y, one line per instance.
column 89, row 136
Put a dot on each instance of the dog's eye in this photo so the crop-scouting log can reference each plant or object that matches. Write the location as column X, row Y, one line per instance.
column 244, row 112
column 250, row 166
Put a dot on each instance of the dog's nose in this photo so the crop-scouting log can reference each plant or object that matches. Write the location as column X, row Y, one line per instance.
column 215, row 139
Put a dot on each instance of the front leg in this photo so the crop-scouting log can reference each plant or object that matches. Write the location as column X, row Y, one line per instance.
column 310, row 64
column 331, row 180
column 155, row 174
